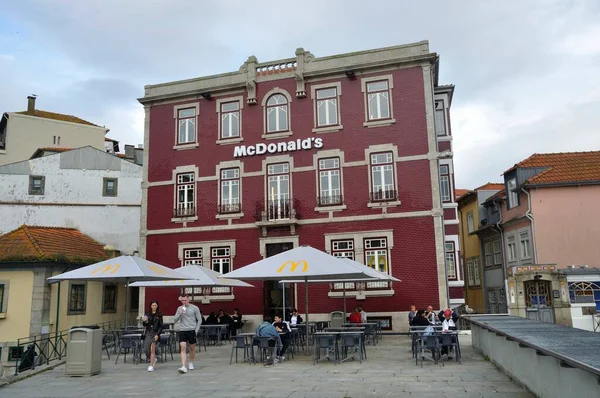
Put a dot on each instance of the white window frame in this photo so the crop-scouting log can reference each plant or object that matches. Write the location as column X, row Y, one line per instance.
column 381, row 168
column 217, row 260
column 329, row 173
column 374, row 122
column 192, row 256
column 476, row 273
column 227, row 183
column 524, row 245
column 222, row 140
column 331, row 127
column 181, row 185
column 513, row 195
column 470, row 276
column 267, row 133
column 470, row 222
column 188, row 144
column 447, row 253
column 511, row 249
column 440, row 109
column 445, row 180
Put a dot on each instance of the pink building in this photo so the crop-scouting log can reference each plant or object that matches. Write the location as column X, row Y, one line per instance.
column 550, row 222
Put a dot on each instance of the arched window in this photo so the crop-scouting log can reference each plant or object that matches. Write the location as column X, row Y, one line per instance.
column 585, row 292
column 277, row 114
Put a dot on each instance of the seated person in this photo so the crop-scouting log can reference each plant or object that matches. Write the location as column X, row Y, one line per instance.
column 212, row 319
column 448, row 325
column 266, row 329
column 355, row 316
column 420, row 319
column 441, row 316
column 284, row 333
column 430, row 315
column 236, row 319
column 293, row 318
column 224, row 319
column 411, row 314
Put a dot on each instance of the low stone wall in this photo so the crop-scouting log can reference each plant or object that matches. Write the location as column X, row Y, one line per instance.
column 533, row 361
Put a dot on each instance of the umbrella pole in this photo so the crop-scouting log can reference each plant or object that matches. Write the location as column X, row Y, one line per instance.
column 306, row 309
column 126, row 302
column 344, row 297
column 283, row 305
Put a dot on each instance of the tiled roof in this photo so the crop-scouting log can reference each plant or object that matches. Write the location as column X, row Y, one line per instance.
column 55, row 149
column 66, row 245
column 566, row 167
column 490, row 186
column 109, row 139
column 460, row 192
column 498, row 195
column 57, row 116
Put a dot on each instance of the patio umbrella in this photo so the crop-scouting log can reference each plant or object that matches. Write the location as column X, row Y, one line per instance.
column 198, row 276
column 120, row 269
column 373, row 274
column 303, row 263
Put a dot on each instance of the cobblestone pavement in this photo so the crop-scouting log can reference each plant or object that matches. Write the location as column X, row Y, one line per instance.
column 389, row 372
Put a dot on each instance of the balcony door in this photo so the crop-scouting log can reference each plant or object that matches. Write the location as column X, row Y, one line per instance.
column 278, row 191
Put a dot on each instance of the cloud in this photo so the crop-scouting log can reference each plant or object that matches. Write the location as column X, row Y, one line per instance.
column 525, row 72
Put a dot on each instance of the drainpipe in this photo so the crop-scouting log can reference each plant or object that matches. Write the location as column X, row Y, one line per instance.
column 529, row 215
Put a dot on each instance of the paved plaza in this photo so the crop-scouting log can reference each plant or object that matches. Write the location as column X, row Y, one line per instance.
column 389, row 372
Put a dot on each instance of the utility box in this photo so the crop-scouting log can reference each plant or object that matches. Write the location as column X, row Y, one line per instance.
column 84, row 351
column 337, row 319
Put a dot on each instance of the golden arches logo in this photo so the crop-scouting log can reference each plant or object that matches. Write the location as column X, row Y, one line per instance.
column 103, row 269
column 158, row 270
column 294, row 265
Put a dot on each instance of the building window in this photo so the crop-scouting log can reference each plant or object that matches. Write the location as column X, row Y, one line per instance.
column 279, row 206
column 277, row 114
column 445, row 183
column 511, row 248
column 476, row 275
column 513, row 195
column 525, row 245
column 470, row 222
column 585, row 292
column 376, row 255
column 343, row 248
column 192, row 257
column 450, row 260
column 230, row 191
column 330, row 187
column 327, row 107
column 230, row 119
column 77, row 298
column 186, row 126
column 134, row 299
column 109, row 299
column 382, row 177
column 221, row 259
column 2, row 297
column 185, row 206
column 110, row 186
column 37, row 185
column 497, row 252
column 470, row 272
column 492, row 253
column 440, row 119
column 378, row 100
column 56, row 140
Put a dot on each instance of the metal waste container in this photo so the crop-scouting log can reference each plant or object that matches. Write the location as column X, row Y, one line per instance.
column 336, row 319
column 84, row 351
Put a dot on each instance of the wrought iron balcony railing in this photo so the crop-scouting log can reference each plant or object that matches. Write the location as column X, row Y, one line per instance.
column 184, row 210
column 384, row 196
column 229, row 208
column 330, row 200
column 276, row 210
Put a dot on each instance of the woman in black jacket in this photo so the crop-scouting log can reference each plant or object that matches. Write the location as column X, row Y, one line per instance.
column 237, row 321
column 153, row 322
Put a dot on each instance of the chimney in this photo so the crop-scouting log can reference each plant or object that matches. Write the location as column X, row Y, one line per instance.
column 129, row 151
column 31, row 103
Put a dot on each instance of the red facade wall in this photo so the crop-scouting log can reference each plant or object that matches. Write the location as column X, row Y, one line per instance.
column 456, row 292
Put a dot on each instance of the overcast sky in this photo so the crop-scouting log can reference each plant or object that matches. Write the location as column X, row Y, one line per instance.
column 526, row 72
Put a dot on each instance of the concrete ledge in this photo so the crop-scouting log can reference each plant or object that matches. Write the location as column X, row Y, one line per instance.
column 28, row 373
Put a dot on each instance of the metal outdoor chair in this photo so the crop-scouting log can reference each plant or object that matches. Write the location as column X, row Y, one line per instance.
column 164, row 346
column 429, row 343
column 266, row 344
column 351, row 342
column 451, row 342
column 325, row 342
column 128, row 343
column 241, row 343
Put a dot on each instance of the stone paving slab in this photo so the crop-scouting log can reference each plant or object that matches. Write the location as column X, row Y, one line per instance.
column 389, row 372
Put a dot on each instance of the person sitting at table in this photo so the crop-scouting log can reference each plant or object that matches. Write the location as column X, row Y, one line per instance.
column 236, row 319
column 284, row 330
column 448, row 325
column 355, row 316
column 224, row 319
column 266, row 329
column 441, row 316
column 363, row 314
column 430, row 315
column 411, row 314
column 212, row 319
column 420, row 319
column 153, row 323
column 293, row 318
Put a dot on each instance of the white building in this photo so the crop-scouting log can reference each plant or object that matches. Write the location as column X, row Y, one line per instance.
column 85, row 188
column 21, row 133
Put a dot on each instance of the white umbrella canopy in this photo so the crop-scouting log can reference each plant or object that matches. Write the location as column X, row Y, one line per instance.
column 198, row 276
column 302, row 263
column 120, row 269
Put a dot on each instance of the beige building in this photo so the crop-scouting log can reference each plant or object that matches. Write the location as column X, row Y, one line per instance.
column 22, row 133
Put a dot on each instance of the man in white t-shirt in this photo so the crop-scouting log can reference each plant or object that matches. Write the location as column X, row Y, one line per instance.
column 363, row 314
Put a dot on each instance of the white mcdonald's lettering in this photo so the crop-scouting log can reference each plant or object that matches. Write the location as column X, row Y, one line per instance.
column 103, row 269
column 294, row 265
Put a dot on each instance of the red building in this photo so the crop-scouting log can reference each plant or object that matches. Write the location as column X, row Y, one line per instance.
column 350, row 154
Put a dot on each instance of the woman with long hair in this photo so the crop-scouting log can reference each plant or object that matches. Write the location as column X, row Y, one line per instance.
column 153, row 322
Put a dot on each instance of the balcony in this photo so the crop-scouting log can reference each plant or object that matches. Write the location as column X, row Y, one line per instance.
column 229, row 208
column 184, row 210
column 330, row 200
column 384, row 196
column 276, row 213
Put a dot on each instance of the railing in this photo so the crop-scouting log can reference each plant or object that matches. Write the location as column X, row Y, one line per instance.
column 184, row 211
column 277, row 66
column 330, row 200
column 275, row 210
column 40, row 350
column 384, row 196
column 229, row 208
column 364, row 286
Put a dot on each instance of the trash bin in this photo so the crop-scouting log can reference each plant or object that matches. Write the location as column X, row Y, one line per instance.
column 337, row 319
column 84, row 351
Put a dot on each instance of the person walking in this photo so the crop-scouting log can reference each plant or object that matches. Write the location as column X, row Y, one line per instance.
column 191, row 319
column 153, row 323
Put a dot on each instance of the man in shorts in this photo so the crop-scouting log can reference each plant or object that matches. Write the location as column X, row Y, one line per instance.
column 189, row 316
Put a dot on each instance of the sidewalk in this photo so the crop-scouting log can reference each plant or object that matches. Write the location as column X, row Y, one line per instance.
column 389, row 372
